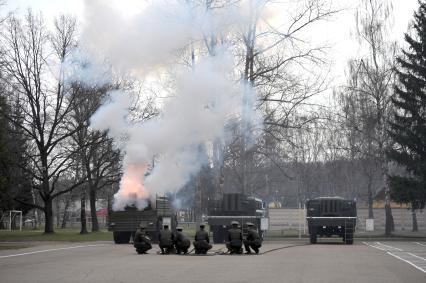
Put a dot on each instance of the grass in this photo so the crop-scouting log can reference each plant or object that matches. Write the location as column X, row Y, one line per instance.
column 73, row 235
column 14, row 246
column 60, row 235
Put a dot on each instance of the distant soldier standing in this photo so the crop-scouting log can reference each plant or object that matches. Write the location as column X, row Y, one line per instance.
column 202, row 241
column 165, row 240
column 235, row 239
column 182, row 243
column 252, row 240
column 142, row 242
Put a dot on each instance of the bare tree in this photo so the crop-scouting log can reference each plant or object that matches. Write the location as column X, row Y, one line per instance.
column 367, row 95
column 36, row 76
column 98, row 158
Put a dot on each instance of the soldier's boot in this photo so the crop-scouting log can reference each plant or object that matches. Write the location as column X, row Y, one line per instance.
column 247, row 247
column 256, row 250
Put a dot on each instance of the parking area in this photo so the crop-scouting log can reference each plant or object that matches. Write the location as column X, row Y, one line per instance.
column 281, row 261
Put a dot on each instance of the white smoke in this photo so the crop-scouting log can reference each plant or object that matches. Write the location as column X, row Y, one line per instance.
column 205, row 99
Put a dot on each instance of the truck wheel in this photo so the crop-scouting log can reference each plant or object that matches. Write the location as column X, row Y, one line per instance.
column 349, row 239
column 313, row 238
column 117, row 237
column 218, row 236
column 121, row 237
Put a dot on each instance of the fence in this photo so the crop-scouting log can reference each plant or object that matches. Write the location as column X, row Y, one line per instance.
column 282, row 219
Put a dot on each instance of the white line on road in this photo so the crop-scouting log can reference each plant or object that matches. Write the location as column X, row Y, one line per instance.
column 373, row 246
column 417, row 256
column 420, row 244
column 409, row 262
column 389, row 246
column 50, row 250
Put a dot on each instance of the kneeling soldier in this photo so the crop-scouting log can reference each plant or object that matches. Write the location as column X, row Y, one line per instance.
column 202, row 242
column 165, row 240
column 142, row 242
column 252, row 240
column 182, row 242
column 235, row 239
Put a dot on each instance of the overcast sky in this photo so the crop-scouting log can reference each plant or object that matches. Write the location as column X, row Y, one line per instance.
column 338, row 32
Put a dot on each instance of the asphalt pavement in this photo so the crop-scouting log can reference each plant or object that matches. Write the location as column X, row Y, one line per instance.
column 387, row 262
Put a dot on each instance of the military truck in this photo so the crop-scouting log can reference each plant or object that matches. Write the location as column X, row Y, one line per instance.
column 124, row 223
column 236, row 207
column 328, row 216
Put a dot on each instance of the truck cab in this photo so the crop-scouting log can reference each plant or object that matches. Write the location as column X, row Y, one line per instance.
column 328, row 216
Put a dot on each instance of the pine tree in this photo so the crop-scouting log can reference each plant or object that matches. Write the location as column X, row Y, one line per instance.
column 408, row 129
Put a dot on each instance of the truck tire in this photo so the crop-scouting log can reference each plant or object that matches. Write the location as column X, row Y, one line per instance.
column 218, row 234
column 313, row 238
column 121, row 237
column 349, row 239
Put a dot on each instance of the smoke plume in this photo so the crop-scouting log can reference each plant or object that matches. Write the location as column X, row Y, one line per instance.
column 161, row 154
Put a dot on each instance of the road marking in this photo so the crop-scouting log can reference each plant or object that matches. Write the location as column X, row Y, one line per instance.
column 417, row 256
column 51, row 250
column 407, row 261
column 389, row 246
column 420, row 244
column 373, row 246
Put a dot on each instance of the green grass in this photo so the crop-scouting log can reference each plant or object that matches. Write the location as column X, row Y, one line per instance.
column 65, row 235
column 14, row 246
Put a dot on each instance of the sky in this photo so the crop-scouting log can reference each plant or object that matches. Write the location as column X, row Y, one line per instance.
column 338, row 32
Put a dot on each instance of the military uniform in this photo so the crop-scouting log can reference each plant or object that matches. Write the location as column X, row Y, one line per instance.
column 141, row 241
column 182, row 243
column 166, row 240
column 202, row 241
column 235, row 239
column 252, row 239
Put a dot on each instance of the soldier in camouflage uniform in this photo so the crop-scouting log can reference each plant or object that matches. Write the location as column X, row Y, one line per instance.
column 235, row 239
column 182, row 243
column 166, row 240
column 142, row 242
column 252, row 239
column 202, row 241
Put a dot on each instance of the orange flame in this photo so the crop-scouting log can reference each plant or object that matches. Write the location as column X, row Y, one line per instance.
column 131, row 184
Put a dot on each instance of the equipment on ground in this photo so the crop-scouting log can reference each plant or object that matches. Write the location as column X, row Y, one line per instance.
column 124, row 223
column 236, row 207
column 328, row 216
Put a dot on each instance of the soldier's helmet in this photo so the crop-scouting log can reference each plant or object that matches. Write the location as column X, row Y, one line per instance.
column 179, row 228
column 165, row 226
column 250, row 224
column 235, row 223
column 202, row 225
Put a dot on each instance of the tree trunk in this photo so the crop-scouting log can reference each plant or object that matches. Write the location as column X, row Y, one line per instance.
column 389, row 225
column 95, row 223
column 83, row 212
column 57, row 212
column 198, row 197
column 370, row 198
column 415, row 226
column 65, row 215
column 48, row 216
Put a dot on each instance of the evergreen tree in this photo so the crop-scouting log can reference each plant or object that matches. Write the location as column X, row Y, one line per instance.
column 408, row 129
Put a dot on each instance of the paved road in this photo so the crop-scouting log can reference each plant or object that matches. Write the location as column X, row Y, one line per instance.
column 106, row 262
